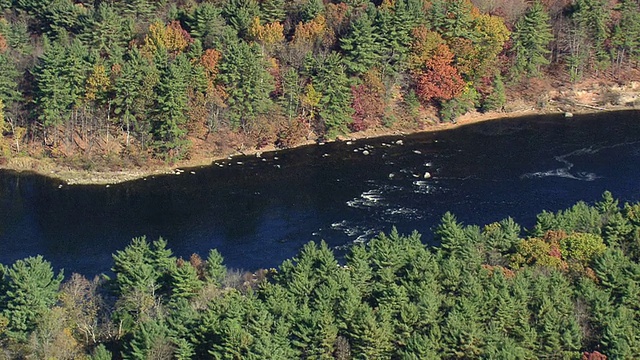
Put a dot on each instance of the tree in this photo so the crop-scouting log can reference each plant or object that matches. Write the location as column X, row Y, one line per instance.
column 142, row 266
column 531, row 39
column 395, row 22
column 496, row 100
column 440, row 80
column 215, row 270
column 240, row 13
column 335, row 104
column 31, row 290
column 273, row 11
column 206, row 23
column 450, row 234
column 361, row 46
column 248, row 84
column 185, row 282
column 135, row 94
column 106, row 31
column 54, row 93
column 171, row 107
column 626, row 33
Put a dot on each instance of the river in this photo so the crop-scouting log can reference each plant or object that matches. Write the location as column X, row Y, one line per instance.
column 258, row 211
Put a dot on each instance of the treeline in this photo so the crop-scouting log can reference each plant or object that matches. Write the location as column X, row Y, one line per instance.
column 567, row 290
column 161, row 78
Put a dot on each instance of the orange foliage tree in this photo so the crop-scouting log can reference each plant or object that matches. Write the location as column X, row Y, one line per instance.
column 3, row 44
column 440, row 80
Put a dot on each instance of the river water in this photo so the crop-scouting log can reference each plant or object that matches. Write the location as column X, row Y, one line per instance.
column 258, row 211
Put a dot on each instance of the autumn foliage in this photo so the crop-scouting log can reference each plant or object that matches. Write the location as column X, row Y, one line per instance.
column 441, row 80
column 368, row 103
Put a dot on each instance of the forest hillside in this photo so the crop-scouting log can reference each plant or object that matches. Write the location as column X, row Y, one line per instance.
column 110, row 83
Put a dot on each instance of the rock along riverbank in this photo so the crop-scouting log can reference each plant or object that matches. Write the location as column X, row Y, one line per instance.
column 49, row 168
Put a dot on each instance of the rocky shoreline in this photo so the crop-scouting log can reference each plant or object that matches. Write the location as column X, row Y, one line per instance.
column 557, row 102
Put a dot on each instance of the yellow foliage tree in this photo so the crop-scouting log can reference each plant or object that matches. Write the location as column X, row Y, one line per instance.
column 98, row 82
column 492, row 35
column 266, row 35
column 171, row 37
column 424, row 46
column 311, row 99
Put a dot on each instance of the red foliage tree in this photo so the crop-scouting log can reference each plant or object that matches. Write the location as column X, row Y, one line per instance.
column 368, row 104
column 440, row 80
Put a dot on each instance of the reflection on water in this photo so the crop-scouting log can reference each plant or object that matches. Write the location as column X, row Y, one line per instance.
column 260, row 211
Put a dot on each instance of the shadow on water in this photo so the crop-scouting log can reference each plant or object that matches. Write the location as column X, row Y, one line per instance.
column 258, row 211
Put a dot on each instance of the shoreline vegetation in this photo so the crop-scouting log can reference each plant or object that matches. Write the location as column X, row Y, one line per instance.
column 50, row 168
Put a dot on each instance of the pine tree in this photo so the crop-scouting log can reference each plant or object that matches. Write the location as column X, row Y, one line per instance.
column 171, row 107
column 215, row 269
column 9, row 77
column 206, row 23
column 395, row 24
column 106, row 31
column 31, row 289
column 361, row 46
column 626, row 33
column 184, row 281
column 240, row 13
column 496, row 100
column 247, row 82
column 54, row 93
column 335, row 104
column 273, row 11
column 531, row 39
column 450, row 235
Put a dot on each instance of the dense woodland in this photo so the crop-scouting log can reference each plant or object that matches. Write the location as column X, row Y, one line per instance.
column 566, row 289
column 148, row 79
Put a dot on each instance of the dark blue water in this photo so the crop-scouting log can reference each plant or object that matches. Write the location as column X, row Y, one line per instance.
column 260, row 211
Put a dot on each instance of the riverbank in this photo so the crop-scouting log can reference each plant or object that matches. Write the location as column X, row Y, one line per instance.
column 578, row 100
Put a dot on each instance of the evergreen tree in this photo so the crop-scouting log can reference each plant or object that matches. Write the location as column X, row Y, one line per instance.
column 496, row 100
column 240, row 13
column 9, row 77
column 626, row 33
column 244, row 73
column 135, row 94
column 184, row 281
column 395, row 25
column 273, row 11
column 171, row 107
column 31, row 289
column 453, row 19
column 54, row 93
column 531, row 39
column 215, row 270
column 450, row 235
column 206, row 23
column 106, row 31
column 335, row 103
column 361, row 46
column 310, row 9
